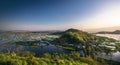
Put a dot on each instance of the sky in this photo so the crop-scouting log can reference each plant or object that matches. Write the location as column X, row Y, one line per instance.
column 58, row 14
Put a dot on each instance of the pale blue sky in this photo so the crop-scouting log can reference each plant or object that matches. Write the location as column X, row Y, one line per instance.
column 57, row 14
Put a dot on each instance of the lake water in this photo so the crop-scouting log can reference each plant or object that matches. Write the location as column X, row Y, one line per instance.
column 13, row 37
column 116, row 55
column 52, row 48
column 114, row 36
column 38, row 50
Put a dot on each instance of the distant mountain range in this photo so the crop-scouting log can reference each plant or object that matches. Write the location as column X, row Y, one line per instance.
column 109, row 29
column 114, row 32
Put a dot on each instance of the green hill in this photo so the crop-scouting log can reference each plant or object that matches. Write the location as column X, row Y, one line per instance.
column 74, row 36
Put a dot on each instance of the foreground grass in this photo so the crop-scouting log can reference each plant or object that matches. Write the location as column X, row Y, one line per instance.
column 46, row 59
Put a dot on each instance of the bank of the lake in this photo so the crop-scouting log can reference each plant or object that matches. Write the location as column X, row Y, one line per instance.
column 114, row 55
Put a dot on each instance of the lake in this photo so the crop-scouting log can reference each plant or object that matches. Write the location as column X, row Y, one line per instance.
column 114, row 36
column 37, row 50
column 47, row 48
column 116, row 55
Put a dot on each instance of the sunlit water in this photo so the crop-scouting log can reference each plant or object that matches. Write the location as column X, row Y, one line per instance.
column 114, row 36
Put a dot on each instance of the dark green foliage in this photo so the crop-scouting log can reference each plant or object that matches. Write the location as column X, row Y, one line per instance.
column 74, row 36
column 118, row 46
column 105, row 39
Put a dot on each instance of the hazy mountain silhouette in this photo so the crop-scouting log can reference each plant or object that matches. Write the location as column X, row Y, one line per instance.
column 109, row 29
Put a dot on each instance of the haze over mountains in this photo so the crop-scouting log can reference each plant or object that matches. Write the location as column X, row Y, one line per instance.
column 105, row 29
column 110, row 29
